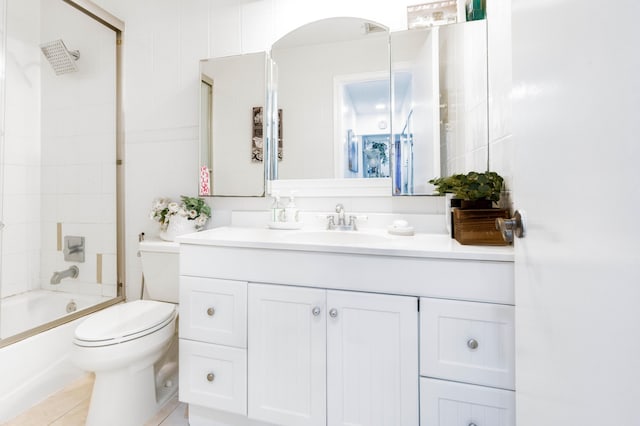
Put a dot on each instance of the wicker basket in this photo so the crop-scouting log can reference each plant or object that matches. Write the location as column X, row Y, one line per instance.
column 478, row 226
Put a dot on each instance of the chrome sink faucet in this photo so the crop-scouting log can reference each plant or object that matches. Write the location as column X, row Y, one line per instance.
column 341, row 215
column 342, row 224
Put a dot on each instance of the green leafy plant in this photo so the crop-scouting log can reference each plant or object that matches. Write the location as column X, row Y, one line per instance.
column 472, row 186
column 193, row 208
column 382, row 149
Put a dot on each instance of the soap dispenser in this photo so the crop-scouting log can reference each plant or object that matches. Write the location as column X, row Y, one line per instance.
column 291, row 211
column 276, row 209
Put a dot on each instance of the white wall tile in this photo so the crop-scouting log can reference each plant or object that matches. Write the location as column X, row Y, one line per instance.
column 500, row 82
column 225, row 30
column 109, row 271
column 257, row 26
column 79, row 179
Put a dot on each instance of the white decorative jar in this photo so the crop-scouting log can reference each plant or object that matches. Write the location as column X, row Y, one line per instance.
column 178, row 225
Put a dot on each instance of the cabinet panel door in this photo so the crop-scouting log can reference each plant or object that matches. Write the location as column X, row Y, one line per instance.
column 372, row 359
column 287, row 359
column 213, row 311
column 445, row 403
column 467, row 342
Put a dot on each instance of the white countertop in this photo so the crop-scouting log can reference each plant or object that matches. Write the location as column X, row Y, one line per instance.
column 440, row 246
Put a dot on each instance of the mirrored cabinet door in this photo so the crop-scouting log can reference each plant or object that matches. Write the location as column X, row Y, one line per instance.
column 232, row 98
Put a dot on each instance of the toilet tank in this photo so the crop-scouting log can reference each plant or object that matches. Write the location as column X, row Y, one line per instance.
column 160, row 269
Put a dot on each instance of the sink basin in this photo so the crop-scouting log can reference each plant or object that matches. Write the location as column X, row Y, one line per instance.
column 334, row 237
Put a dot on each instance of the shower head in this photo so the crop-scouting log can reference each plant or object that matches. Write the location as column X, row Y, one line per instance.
column 61, row 59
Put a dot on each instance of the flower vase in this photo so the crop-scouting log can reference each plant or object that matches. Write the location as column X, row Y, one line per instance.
column 178, row 225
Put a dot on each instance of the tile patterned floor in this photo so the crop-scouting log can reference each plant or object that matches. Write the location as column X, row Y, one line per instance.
column 69, row 407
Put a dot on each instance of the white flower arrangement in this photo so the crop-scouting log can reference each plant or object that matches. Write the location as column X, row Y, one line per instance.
column 192, row 208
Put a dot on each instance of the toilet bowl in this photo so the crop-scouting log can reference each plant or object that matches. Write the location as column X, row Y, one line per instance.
column 133, row 348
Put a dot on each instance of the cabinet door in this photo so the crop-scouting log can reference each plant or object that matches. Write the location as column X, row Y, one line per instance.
column 286, row 355
column 372, row 359
column 444, row 403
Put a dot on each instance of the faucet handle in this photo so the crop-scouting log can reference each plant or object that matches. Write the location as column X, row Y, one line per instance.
column 339, row 208
column 331, row 224
column 353, row 220
column 352, row 223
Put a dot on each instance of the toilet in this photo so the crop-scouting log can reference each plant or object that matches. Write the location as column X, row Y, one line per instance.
column 132, row 347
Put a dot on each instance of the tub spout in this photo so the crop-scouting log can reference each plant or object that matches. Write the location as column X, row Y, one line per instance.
column 71, row 272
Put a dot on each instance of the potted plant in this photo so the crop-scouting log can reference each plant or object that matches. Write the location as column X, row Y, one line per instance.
column 190, row 215
column 473, row 220
column 474, row 189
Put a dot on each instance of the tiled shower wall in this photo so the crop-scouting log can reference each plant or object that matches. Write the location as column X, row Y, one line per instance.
column 78, row 151
column 59, row 150
column 21, row 155
column 163, row 42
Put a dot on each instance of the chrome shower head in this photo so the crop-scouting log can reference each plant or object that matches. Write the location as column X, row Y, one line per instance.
column 61, row 59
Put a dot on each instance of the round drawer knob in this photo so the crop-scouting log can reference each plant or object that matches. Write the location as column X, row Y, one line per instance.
column 472, row 344
column 333, row 313
column 211, row 311
column 210, row 377
column 472, row 424
column 315, row 311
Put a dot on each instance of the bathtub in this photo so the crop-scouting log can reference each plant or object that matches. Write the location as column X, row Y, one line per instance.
column 28, row 310
column 38, row 366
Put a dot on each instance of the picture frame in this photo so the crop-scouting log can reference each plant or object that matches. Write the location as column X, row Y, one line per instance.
column 257, row 140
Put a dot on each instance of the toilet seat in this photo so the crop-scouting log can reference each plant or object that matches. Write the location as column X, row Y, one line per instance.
column 124, row 322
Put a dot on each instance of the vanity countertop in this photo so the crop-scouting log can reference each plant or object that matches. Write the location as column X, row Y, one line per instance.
column 376, row 242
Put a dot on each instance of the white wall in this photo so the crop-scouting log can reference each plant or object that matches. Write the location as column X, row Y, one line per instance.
column 21, row 155
column 163, row 42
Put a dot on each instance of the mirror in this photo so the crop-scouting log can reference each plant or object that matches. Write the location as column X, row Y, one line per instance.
column 334, row 88
column 334, row 94
column 439, row 79
column 232, row 97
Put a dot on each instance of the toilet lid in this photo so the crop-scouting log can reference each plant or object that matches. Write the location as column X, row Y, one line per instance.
column 124, row 322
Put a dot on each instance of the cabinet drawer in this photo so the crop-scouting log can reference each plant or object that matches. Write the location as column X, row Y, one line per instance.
column 213, row 376
column 445, row 403
column 213, row 311
column 467, row 342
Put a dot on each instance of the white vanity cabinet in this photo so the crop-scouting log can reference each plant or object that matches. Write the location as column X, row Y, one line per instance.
column 329, row 336
column 328, row 357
